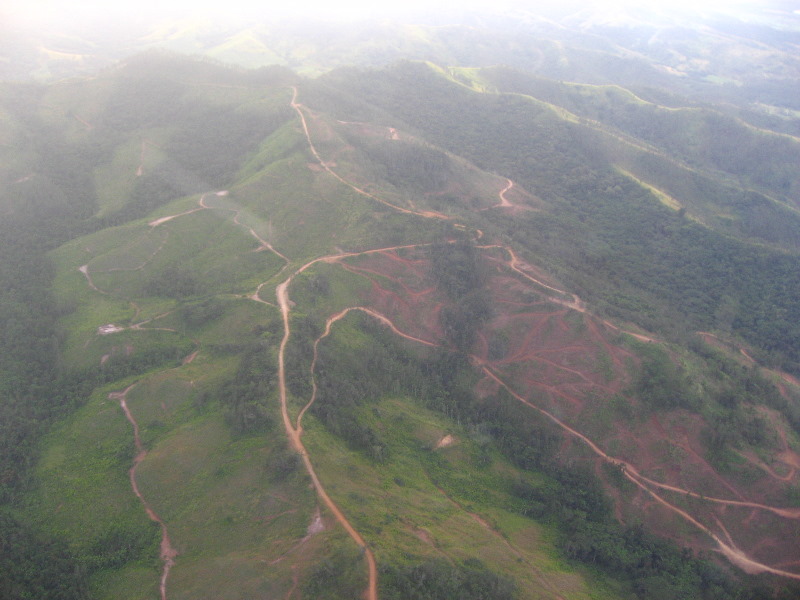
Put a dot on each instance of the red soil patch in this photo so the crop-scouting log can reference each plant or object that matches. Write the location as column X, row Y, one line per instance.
column 549, row 350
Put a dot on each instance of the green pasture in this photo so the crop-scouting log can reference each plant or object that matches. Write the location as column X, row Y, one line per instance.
column 423, row 502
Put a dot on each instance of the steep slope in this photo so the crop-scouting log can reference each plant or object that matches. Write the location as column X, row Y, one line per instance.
column 605, row 228
column 161, row 311
column 351, row 336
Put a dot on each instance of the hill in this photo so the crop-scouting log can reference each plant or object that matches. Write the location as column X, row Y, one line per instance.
column 410, row 331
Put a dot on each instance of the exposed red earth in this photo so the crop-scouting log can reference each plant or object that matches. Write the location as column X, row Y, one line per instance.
column 562, row 362
column 544, row 339
column 552, row 366
column 556, row 358
column 504, row 203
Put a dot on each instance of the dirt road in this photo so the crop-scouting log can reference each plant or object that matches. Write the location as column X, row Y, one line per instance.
column 168, row 552
column 428, row 214
column 295, row 436
column 729, row 550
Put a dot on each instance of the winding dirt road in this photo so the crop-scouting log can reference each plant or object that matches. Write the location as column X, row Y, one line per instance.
column 294, row 430
column 726, row 547
column 328, row 324
column 428, row 214
column 729, row 550
column 168, row 552
column 295, row 434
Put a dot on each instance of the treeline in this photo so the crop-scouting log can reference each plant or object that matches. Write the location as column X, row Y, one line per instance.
column 437, row 579
column 244, row 396
column 340, row 397
column 660, row 383
column 340, row 576
column 409, row 166
column 33, row 567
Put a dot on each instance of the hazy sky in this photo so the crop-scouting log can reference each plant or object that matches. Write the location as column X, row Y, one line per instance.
column 70, row 11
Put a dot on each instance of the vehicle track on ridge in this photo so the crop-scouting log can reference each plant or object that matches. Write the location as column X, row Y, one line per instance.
column 428, row 214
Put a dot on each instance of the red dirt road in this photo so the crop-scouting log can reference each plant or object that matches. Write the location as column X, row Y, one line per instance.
column 295, row 438
column 566, row 379
column 168, row 552
column 429, row 214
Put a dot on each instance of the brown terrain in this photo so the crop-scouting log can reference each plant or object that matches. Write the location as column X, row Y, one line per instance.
column 567, row 365
column 563, row 363
column 572, row 367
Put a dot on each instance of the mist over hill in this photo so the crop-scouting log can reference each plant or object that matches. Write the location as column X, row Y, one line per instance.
column 464, row 304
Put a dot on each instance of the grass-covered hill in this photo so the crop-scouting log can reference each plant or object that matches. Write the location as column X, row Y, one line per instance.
column 413, row 332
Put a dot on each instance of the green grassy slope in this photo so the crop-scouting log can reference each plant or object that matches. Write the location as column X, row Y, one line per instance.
column 187, row 200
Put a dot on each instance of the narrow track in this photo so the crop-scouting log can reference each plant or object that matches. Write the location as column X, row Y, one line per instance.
column 428, row 214
column 168, row 552
column 295, row 438
column 730, row 551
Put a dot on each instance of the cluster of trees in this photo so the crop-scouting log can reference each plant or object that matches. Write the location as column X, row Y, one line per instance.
column 173, row 281
column 409, row 166
column 244, row 397
column 458, row 271
column 340, row 575
column 437, row 579
column 340, row 397
column 212, row 141
column 34, row 567
column 661, row 383
column 299, row 354
column 202, row 313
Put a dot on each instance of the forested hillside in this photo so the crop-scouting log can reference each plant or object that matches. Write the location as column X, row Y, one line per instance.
column 422, row 330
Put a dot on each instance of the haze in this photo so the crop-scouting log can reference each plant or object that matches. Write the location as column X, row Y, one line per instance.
column 92, row 12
